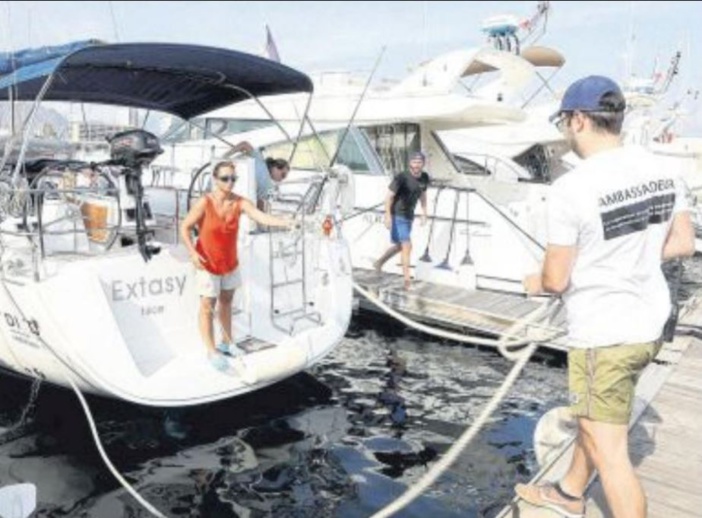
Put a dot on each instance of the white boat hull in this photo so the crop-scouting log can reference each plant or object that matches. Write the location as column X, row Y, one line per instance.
column 128, row 329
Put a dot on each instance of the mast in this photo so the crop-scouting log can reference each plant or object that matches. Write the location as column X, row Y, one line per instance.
column 629, row 56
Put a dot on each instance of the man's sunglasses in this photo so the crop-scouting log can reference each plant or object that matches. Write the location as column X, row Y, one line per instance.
column 227, row 179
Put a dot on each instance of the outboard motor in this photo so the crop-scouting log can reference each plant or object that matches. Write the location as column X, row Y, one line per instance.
column 133, row 150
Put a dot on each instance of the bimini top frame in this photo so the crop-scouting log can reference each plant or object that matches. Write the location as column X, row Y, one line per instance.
column 184, row 80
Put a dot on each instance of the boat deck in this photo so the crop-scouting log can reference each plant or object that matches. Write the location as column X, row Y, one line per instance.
column 487, row 312
column 663, row 438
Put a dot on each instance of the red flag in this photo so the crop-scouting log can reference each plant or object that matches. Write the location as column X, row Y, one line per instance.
column 271, row 51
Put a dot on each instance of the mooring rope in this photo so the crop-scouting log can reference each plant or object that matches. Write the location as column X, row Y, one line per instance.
column 452, row 454
column 503, row 344
column 66, row 372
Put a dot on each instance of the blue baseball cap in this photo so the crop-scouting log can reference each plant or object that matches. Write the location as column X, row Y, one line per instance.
column 585, row 95
column 418, row 155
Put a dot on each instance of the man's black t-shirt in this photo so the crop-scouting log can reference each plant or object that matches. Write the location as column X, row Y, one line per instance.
column 407, row 191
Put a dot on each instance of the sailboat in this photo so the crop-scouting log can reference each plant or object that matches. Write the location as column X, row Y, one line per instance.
column 96, row 290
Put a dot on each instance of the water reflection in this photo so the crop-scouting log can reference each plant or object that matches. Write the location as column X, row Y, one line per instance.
column 342, row 440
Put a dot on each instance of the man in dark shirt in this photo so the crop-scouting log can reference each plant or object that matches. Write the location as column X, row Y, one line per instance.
column 405, row 190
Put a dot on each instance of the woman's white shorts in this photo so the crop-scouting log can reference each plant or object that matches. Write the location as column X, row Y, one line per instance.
column 209, row 284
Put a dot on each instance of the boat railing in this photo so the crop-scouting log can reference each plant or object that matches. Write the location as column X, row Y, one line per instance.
column 75, row 208
column 167, row 222
column 82, row 211
column 61, row 210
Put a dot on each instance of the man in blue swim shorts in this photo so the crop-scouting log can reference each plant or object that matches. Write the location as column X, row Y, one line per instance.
column 405, row 190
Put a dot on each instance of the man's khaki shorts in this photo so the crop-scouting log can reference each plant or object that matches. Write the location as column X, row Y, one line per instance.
column 601, row 380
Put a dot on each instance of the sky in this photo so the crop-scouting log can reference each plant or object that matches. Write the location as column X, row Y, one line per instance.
column 595, row 37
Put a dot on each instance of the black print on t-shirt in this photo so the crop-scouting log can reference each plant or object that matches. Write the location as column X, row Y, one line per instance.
column 637, row 191
column 635, row 217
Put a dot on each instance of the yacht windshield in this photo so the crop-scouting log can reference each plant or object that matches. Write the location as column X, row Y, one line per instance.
column 315, row 151
column 207, row 127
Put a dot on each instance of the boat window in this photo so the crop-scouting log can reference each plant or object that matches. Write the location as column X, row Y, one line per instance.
column 224, row 126
column 215, row 127
column 535, row 160
column 471, row 165
column 316, row 151
column 394, row 143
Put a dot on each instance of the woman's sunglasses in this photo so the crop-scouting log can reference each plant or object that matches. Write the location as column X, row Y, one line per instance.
column 227, row 179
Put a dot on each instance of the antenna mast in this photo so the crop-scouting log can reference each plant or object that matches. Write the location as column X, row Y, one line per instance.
column 508, row 33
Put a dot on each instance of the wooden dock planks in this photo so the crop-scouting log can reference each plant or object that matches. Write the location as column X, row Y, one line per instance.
column 666, row 444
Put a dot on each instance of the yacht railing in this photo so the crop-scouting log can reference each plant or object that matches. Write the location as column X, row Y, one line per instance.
column 73, row 208
column 79, row 221
column 291, row 248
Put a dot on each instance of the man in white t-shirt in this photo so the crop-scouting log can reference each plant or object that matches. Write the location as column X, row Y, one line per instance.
column 612, row 221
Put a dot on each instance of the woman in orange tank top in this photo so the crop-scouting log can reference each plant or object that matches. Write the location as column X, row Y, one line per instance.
column 216, row 216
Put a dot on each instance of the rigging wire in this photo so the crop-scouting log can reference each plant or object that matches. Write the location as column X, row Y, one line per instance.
column 114, row 21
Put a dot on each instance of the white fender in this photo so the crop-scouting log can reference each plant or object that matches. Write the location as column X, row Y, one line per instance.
column 18, row 500
column 347, row 189
column 555, row 428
